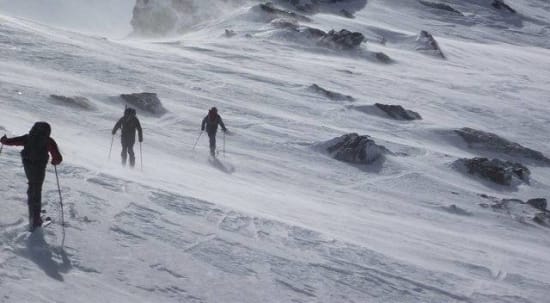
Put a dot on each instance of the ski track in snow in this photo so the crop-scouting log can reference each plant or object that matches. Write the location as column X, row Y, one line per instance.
column 273, row 219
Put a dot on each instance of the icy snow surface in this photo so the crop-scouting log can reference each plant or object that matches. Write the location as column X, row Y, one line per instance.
column 273, row 219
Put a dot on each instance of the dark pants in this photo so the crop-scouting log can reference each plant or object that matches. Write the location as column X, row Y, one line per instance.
column 128, row 149
column 212, row 137
column 36, row 173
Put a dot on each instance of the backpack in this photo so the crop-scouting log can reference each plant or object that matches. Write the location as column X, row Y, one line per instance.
column 213, row 115
column 36, row 145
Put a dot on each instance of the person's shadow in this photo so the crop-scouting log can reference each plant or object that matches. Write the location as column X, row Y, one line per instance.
column 53, row 261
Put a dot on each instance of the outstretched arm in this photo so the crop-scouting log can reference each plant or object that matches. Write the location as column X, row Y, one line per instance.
column 117, row 126
column 16, row 141
column 140, row 131
column 221, row 123
column 54, row 151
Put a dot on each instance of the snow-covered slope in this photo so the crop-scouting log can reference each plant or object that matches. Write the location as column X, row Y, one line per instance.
column 274, row 219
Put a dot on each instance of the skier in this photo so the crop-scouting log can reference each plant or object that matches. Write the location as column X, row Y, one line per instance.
column 211, row 122
column 129, row 124
column 37, row 143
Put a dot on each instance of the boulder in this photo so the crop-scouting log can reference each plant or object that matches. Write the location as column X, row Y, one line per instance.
column 230, row 33
column 426, row 43
column 75, row 101
column 148, row 102
column 500, row 4
column 539, row 203
column 324, row 6
column 542, row 219
column 518, row 210
column 398, row 112
column 496, row 170
column 330, row 94
column 356, row 149
column 275, row 12
column 342, row 39
column 478, row 139
column 441, row 6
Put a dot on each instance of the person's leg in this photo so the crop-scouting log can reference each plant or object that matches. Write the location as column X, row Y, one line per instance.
column 124, row 153
column 35, row 176
column 132, row 155
column 212, row 137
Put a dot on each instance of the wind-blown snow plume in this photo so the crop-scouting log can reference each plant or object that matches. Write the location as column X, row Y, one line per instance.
column 157, row 17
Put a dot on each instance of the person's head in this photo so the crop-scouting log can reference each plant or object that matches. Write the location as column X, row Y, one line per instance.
column 214, row 110
column 129, row 112
column 41, row 128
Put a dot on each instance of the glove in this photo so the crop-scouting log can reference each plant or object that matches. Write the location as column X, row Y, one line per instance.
column 140, row 140
column 225, row 130
column 56, row 161
column 3, row 139
column 202, row 129
column 113, row 132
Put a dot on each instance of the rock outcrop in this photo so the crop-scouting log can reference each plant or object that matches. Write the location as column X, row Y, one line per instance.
column 275, row 12
column 524, row 212
column 496, row 170
column 500, row 4
column 355, row 149
column 426, row 43
column 148, row 102
column 441, row 6
column 330, row 94
column 324, row 6
column 75, row 101
column 342, row 39
column 539, row 203
column 398, row 112
column 481, row 140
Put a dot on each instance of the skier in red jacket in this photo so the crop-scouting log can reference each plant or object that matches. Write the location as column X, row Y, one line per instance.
column 37, row 144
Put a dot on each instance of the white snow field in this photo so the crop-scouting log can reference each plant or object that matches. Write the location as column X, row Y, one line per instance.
column 273, row 219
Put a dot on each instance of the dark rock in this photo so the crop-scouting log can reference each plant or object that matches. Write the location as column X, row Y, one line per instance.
column 382, row 57
column 496, row 170
column 230, row 33
column 314, row 33
column 398, row 112
column 542, row 219
column 346, row 13
column 286, row 23
column 75, row 101
column 148, row 102
column 276, row 12
column 441, row 6
column 324, row 6
column 499, row 4
column 353, row 148
column 330, row 94
column 342, row 39
column 539, row 203
column 453, row 209
column 492, row 142
column 425, row 42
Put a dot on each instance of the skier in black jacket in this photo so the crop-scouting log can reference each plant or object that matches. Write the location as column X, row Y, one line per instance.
column 37, row 144
column 129, row 124
column 210, row 122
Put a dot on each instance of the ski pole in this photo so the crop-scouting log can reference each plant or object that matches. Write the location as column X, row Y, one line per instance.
column 197, row 141
column 111, row 148
column 61, row 203
column 1, row 148
column 141, row 155
column 224, row 143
